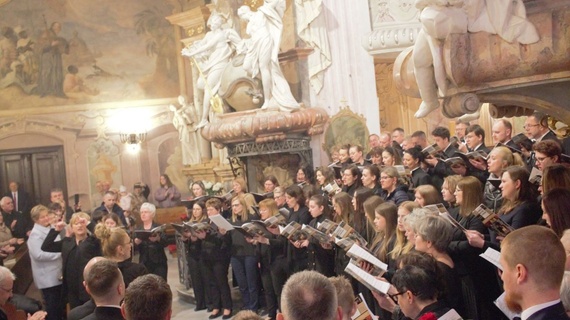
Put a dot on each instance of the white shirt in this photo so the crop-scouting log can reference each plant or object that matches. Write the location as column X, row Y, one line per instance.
column 534, row 309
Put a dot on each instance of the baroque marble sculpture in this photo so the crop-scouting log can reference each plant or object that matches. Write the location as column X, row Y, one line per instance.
column 442, row 18
column 184, row 120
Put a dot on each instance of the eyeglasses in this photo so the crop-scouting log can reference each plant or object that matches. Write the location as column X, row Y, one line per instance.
column 541, row 159
column 394, row 296
column 11, row 290
column 531, row 125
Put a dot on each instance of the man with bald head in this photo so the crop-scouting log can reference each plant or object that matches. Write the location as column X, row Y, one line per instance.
column 7, row 291
column 88, row 307
column 309, row 295
column 104, row 283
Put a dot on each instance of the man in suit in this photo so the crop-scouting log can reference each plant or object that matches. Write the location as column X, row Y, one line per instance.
column 110, row 205
column 104, row 283
column 88, row 307
column 438, row 169
column 536, row 128
column 532, row 281
column 22, row 200
column 13, row 219
column 148, row 295
column 309, row 295
column 475, row 141
column 502, row 132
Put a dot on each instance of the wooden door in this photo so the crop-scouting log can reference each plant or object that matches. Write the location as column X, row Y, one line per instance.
column 38, row 170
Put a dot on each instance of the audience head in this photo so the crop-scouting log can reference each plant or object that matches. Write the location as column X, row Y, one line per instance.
column 345, row 296
column 474, row 136
column 533, row 261
column 555, row 204
column 547, row 153
column 536, row 125
column 7, row 204
column 165, row 181
column 247, row 314
column 555, row 176
column 112, row 220
column 426, row 195
column 148, row 297
column 39, row 215
column 502, row 131
column 6, row 284
column 104, row 283
column 308, row 295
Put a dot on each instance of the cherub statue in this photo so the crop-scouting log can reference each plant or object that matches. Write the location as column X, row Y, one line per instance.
column 441, row 18
column 212, row 54
column 184, row 119
column 265, row 27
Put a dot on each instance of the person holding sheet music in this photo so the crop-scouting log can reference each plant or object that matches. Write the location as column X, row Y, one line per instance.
column 433, row 235
column 297, row 256
column 151, row 250
column 362, row 221
column 342, row 212
column 323, row 177
column 320, row 255
column 478, row 277
column 499, row 159
column 243, row 256
column 305, row 175
column 356, row 154
column 198, row 189
column 351, row 179
column 392, row 188
column 196, row 266
column 519, row 208
column 546, row 153
column 216, row 258
column 272, row 258
column 375, row 155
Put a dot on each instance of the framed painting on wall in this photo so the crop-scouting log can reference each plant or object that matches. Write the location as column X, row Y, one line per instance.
column 65, row 55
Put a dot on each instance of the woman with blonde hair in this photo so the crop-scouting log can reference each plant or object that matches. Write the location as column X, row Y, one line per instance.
column 77, row 248
column 499, row 159
column 402, row 245
column 342, row 208
column 117, row 246
column 448, row 194
column 239, row 187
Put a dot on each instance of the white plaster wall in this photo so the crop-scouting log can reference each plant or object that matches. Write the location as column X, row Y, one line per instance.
column 350, row 80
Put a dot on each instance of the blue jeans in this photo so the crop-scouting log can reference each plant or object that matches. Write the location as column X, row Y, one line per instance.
column 246, row 272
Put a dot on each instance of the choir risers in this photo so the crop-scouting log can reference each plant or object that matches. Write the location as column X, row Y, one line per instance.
column 516, row 79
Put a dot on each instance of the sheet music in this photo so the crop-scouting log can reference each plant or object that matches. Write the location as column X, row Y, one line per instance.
column 357, row 252
column 502, row 305
column 367, row 279
column 492, row 256
column 221, row 222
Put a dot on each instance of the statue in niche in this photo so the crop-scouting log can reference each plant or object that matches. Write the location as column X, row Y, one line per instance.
column 184, row 119
column 212, row 54
column 265, row 27
column 441, row 18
